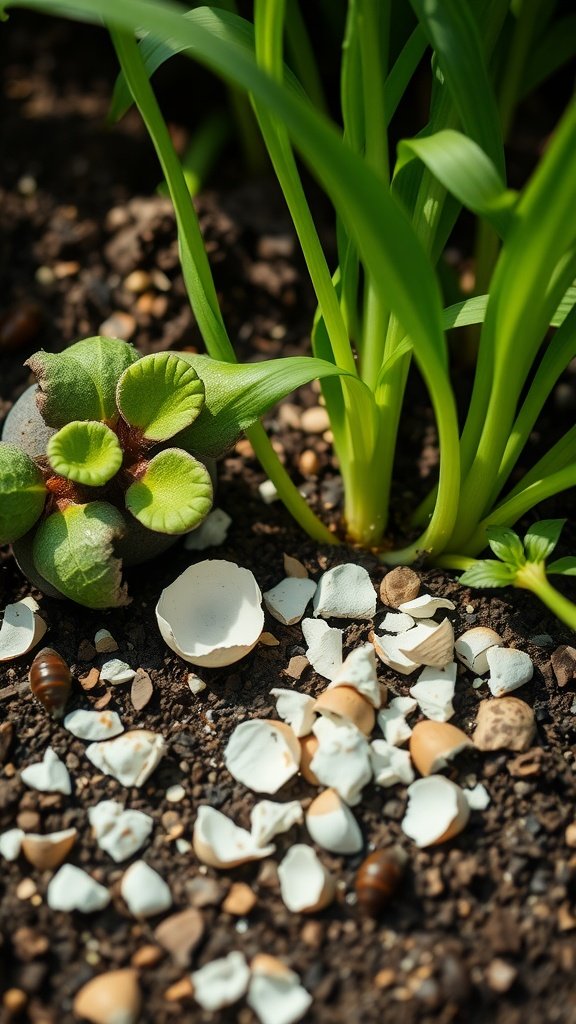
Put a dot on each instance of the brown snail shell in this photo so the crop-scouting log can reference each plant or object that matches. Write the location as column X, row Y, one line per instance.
column 50, row 681
column 377, row 880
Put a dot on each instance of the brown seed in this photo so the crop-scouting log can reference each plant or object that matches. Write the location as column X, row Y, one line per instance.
column 179, row 991
column 147, row 956
column 309, row 463
column 399, row 585
column 377, row 881
column 141, row 690
column 50, row 681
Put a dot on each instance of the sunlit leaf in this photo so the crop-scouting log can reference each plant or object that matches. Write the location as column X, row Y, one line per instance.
column 542, row 538
column 22, row 493
column 563, row 566
column 488, row 573
column 506, row 545
column 174, row 495
column 161, row 395
column 88, row 453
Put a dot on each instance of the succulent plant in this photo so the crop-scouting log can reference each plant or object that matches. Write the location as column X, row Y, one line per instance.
column 92, row 470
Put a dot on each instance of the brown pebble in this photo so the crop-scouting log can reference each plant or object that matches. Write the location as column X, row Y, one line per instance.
column 25, row 889
column 118, row 325
column 28, row 821
column 138, row 281
column 14, row 1000
column 500, row 975
column 527, row 764
column 244, row 448
column 90, row 680
column 141, row 690
column 240, row 900
column 180, row 933
column 309, row 463
column 29, row 944
column 147, row 956
column 570, row 836
column 377, row 880
column 109, row 998
column 312, row 934
column 399, row 585
column 179, row 991
column 315, row 420
column 507, row 723
column 385, row 978
column 103, row 701
column 563, row 662
column 294, row 568
column 86, row 651
column 20, row 326
column 203, row 892
column 6, row 737
column 296, row 666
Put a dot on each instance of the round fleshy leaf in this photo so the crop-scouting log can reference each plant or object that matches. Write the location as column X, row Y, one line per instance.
column 174, row 495
column 88, row 453
column 74, row 550
column 22, row 493
column 161, row 394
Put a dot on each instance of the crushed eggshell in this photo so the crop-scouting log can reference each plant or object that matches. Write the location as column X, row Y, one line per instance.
column 390, row 764
column 472, row 646
column 268, row 492
column 50, row 775
column 297, row 709
column 293, row 567
column 11, row 843
column 434, row 744
column 428, row 643
column 104, row 642
column 305, row 884
column 345, row 704
column 275, row 993
column 211, row 533
column 73, row 889
column 288, row 599
column 478, row 797
column 509, row 669
column 332, row 825
column 144, row 891
column 130, row 758
column 434, row 691
column 220, row 843
column 392, row 720
column 117, row 672
column 211, row 614
column 263, row 754
column 119, row 832
column 388, row 650
column 324, row 647
column 437, row 811
column 47, row 852
column 93, row 725
column 22, row 628
column 221, row 982
column 359, row 672
column 269, row 819
column 396, row 622
column 425, row 606
column 342, row 760
column 195, row 683
column 345, row 592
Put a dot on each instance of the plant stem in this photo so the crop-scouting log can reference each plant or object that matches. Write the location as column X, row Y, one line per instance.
column 532, row 576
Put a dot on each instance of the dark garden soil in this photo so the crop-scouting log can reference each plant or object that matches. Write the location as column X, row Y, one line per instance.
column 483, row 927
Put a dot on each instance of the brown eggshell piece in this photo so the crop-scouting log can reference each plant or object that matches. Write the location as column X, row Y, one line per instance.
column 308, row 747
column 434, row 743
column 47, row 853
column 110, row 998
column 344, row 702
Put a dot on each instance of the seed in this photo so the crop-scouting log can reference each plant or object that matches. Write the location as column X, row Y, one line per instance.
column 377, row 880
column 50, row 681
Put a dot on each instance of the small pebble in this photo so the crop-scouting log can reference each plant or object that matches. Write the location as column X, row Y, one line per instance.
column 147, row 956
column 25, row 889
column 240, row 900
column 309, row 463
column 179, row 991
column 500, row 975
column 399, row 585
column 195, row 683
column 174, row 794
column 315, row 420
column 267, row 491
column 118, row 325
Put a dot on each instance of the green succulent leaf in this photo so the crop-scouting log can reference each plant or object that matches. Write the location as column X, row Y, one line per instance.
column 506, row 545
column 488, row 573
column 542, row 538
column 174, row 495
column 22, row 493
column 74, row 550
column 161, row 394
column 80, row 383
column 563, row 566
column 86, row 452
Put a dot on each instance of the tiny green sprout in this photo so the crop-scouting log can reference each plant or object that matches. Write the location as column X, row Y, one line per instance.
column 523, row 564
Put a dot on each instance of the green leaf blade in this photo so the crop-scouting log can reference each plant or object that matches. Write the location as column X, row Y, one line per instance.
column 174, row 495
column 506, row 545
column 542, row 538
column 161, row 395
column 86, row 452
column 563, row 566
column 22, row 493
column 488, row 573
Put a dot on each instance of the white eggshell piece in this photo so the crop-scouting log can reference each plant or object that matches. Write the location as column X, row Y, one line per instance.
column 434, row 805
column 342, row 760
column 277, row 998
column 211, row 614
column 434, row 692
column 324, row 647
column 49, row 775
column 260, row 755
column 396, row 622
column 297, row 709
column 93, row 725
column 345, row 592
column 424, row 606
column 130, row 758
column 268, row 492
column 21, row 629
column 478, row 797
column 221, row 982
column 120, row 833
column 359, row 672
column 304, row 881
column 11, row 843
column 219, row 842
column 211, row 533
column 144, row 891
column 269, row 819
column 392, row 720
column 429, row 643
column 509, row 669
column 116, row 672
column 73, row 889
column 388, row 650
column 390, row 764
column 288, row 599
column 472, row 646
column 332, row 825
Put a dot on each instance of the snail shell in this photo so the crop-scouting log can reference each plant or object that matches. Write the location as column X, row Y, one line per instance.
column 50, row 681
column 377, row 880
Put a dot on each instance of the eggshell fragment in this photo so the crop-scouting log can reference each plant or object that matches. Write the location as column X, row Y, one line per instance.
column 73, row 889
column 211, row 533
column 144, row 891
column 392, row 720
column 117, row 672
column 288, row 599
column 359, row 672
column 221, row 982
column 297, row 709
column 49, row 851
column 11, row 843
column 269, row 819
column 308, row 748
column 342, row 759
column 93, row 725
column 104, row 642
column 332, row 825
column 434, row 645
column 434, row 744
column 434, row 691
column 471, row 647
column 110, row 998
column 262, row 754
column 120, row 833
column 49, row 775
column 345, row 592
column 437, row 811
column 396, row 622
column 504, row 724
column 130, row 758
column 478, row 797
column 390, row 764
column 275, row 993
column 425, row 606
column 211, row 614
column 324, row 647
column 509, row 669
column 305, row 884
column 345, row 704
column 388, row 650
column 22, row 628
column 220, row 843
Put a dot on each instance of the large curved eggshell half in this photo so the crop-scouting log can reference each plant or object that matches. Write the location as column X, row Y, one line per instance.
column 433, row 744
column 332, row 825
column 437, row 811
column 211, row 614
column 220, row 843
column 305, row 884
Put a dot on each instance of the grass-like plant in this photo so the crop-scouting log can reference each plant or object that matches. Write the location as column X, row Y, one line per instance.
column 381, row 307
